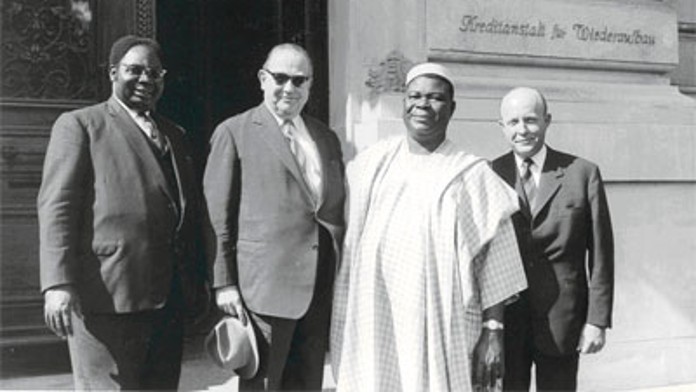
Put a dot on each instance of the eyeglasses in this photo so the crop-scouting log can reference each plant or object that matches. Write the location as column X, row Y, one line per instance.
column 282, row 78
column 138, row 71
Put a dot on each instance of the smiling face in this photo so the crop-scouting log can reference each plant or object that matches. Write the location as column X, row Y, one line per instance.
column 428, row 107
column 139, row 91
column 285, row 99
column 524, row 121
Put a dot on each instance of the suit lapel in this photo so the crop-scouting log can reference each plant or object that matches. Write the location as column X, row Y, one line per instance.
column 136, row 139
column 270, row 131
column 320, row 140
column 179, row 162
column 549, row 182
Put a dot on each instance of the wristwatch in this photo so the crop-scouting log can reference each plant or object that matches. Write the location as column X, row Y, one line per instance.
column 493, row 325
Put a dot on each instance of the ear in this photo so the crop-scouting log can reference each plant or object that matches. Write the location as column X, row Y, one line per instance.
column 113, row 73
column 454, row 108
column 262, row 76
column 548, row 119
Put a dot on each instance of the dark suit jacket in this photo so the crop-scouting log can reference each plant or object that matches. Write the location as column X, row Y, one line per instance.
column 567, row 234
column 110, row 223
column 266, row 227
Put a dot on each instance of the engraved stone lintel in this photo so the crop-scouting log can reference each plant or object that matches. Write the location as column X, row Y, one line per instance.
column 612, row 34
column 389, row 75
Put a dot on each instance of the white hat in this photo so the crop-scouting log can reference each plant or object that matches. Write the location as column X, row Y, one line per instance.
column 233, row 346
column 428, row 69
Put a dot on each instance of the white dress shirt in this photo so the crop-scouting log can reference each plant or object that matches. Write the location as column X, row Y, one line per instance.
column 539, row 158
column 137, row 117
column 313, row 173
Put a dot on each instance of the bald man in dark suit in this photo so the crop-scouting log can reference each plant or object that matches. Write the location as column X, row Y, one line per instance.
column 565, row 238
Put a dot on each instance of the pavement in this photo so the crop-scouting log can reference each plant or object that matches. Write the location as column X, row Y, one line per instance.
column 201, row 374
column 198, row 373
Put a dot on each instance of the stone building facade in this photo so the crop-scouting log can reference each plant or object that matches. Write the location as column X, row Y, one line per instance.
column 620, row 77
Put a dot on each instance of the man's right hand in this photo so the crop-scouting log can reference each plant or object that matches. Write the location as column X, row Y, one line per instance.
column 229, row 301
column 59, row 305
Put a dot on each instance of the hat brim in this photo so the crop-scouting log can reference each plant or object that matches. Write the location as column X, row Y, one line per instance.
column 250, row 369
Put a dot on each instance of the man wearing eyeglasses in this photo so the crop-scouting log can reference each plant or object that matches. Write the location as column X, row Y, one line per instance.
column 118, row 216
column 274, row 191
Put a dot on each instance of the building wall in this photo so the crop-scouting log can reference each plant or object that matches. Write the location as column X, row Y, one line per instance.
column 685, row 74
column 628, row 116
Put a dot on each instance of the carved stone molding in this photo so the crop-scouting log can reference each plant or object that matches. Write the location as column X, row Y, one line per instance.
column 47, row 49
column 145, row 18
column 389, row 75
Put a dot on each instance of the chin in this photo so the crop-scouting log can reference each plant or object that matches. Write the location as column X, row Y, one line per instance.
column 524, row 152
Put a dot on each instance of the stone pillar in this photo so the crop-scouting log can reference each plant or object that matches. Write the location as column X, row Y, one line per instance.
column 604, row 67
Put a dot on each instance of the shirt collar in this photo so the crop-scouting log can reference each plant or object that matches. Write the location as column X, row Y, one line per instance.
column 281, row 121
column 130, row 111
column 539, row 159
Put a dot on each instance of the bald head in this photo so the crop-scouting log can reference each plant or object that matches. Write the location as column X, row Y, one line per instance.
column 527, row 94
column 285, row 49
column 524, row 118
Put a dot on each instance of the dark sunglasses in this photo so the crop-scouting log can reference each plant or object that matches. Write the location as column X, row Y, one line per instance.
column 282, row 78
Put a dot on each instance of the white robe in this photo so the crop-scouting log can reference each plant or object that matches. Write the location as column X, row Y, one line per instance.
column 429, row 245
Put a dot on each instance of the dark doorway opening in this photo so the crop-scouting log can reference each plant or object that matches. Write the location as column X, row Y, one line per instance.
column 214, row 48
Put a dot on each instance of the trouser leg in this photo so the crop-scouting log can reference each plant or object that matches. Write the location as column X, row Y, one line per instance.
column 140, row 350
column 518, row 347
column 556, row 373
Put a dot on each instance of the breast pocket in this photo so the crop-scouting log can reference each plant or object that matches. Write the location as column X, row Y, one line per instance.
column 570, row 208
column 105, row 248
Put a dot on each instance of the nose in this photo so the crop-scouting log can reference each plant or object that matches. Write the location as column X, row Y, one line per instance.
column 421, row 102
column 288, row 86
column 522, row 128
column 146, row 76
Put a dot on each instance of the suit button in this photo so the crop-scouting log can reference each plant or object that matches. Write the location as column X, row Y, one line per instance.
column 315, row 246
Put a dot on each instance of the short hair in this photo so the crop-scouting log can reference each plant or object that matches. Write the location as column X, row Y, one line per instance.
column 289, row 47
column 122, row 45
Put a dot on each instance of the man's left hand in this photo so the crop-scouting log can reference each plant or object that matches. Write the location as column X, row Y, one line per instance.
column 488, row 365
column 592, row 339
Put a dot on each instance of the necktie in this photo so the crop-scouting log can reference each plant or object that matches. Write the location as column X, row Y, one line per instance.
column 151, row 129
column 290, row 133
column 528, row 181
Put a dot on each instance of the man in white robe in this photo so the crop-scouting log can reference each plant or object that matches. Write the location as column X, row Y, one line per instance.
column 430, row 258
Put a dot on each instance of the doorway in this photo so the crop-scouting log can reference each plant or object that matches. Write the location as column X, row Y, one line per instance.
column 214, row 48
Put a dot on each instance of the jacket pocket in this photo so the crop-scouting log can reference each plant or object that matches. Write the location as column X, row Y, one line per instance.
column 105, row 248
column 569, row 210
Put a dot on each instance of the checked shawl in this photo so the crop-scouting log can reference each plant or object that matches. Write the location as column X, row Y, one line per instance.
column 429, row 245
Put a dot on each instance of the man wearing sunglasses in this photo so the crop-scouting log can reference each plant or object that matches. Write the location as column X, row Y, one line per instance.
column 118, row 217
column 274, row 191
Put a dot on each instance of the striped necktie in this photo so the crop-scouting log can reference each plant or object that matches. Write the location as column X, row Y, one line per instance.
column 528, row 182
column 151, row 130
column 308, row 172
